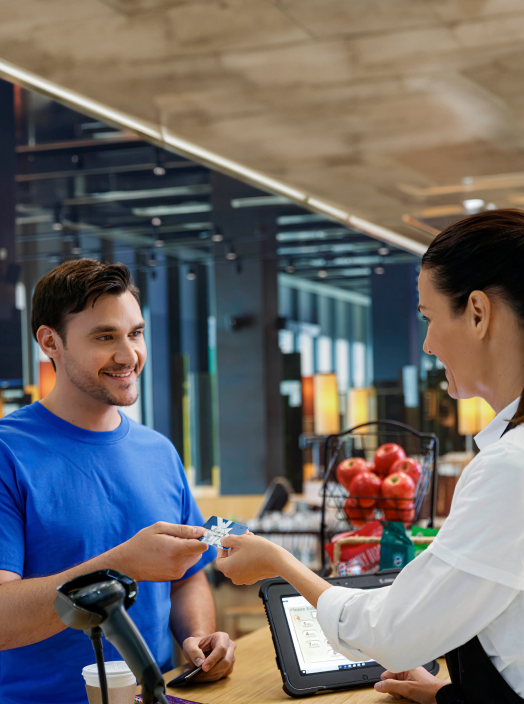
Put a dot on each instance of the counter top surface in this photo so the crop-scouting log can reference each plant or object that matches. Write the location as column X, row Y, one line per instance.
column 257, row 679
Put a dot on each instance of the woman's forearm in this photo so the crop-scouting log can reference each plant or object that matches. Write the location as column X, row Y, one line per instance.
column 310, row 585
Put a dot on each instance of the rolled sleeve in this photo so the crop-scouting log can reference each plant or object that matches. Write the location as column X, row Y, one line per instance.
column 329, row 614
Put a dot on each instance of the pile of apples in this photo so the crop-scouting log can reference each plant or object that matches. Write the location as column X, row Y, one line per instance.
column 387, row 483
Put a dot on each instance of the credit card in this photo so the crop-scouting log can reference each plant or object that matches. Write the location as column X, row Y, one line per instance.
column 217, row 528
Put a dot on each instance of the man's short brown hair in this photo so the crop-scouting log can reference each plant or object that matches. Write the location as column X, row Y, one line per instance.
column 68, row 288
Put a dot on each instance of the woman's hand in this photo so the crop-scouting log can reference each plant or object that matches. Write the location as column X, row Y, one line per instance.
column 418, row 685
column 250, row 559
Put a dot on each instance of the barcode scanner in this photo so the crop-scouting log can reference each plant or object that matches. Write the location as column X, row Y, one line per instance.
column 98, row 602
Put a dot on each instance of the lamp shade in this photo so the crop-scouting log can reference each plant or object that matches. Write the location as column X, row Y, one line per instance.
column 359, row 406
column 308, row 401
column 473, row 415
column 327, row 416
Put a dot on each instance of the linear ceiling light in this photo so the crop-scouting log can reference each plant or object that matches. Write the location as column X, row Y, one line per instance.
column 328, row 209
column 159, row 210
column 194, row 151
column 259, row 201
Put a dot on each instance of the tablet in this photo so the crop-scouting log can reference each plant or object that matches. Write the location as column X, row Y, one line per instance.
column 306, row 660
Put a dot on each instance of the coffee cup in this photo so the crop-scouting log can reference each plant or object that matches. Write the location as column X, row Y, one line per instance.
column 121, row 683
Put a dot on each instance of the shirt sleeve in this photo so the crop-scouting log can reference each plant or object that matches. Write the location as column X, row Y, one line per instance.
column 484, row 532
column 12, row 521
column 192, row 516
column 430, row 609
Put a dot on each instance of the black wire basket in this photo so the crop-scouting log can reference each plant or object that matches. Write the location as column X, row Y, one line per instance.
column 363, row 441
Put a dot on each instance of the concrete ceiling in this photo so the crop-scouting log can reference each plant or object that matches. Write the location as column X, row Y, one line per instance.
column 386, row 107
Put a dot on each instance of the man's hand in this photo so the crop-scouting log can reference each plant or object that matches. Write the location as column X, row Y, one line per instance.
column 252, row 558
column 162, row 552
column 216, row 654
column 418, row 685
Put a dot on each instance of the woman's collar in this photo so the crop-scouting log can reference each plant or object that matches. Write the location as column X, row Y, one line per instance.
column 493, row 431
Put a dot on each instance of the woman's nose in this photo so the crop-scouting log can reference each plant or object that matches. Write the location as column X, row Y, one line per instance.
column 425, row 347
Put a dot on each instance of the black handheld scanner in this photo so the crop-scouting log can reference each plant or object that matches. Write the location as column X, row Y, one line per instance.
column 99, row 600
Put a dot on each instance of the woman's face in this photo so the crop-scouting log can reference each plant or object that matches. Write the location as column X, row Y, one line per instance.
column 449, row 337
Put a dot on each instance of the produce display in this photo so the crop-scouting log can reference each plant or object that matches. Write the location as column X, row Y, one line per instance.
column 388, row 483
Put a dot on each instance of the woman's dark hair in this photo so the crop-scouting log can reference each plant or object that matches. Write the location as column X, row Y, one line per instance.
column 68, row 288
column 483, row 252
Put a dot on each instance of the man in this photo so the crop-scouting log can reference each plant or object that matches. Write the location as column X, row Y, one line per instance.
column 82, row 487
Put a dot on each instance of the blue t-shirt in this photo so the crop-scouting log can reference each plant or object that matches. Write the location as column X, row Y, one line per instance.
column 67, row 495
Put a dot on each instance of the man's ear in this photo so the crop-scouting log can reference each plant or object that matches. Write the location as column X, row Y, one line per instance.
column 49, row 341
column 480, row 311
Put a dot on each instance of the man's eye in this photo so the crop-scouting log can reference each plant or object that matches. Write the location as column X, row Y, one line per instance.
column 104, row 338
column 137, row 333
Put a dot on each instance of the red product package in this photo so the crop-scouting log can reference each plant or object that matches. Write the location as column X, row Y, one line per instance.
column 358, row 559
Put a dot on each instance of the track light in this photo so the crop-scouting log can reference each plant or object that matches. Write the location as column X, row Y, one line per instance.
column 231, row 255
column 156, row 222
column 159, row 169
column 158, row 243
column 152, row 261
column 379, row 270
column 290, row 269
column 217, row 236
column 322, row 273
column 383, row 251
column 191, row 275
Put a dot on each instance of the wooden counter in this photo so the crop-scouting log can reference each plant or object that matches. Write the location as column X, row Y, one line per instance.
column 257, row 679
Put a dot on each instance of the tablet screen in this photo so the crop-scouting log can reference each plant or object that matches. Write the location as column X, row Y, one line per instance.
column 313, row 651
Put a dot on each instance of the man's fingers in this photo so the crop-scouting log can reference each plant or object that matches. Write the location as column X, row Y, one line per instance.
column 395, row 687
column 178, row 531
column 193, row 652
column 219, row 651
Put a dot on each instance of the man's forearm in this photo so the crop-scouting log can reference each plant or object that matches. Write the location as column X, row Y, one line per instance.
column 192, row 608
column 27, row 611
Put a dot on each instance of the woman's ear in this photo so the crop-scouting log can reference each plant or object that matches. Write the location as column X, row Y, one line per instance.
column 480, row 311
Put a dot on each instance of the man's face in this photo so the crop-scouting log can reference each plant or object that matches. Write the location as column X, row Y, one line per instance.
column 105, row 349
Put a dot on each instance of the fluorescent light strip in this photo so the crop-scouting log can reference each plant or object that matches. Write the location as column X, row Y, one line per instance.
column 192, row 150
column 77, row 101
column 330, row 210
column 324, row 290
column 387, row 235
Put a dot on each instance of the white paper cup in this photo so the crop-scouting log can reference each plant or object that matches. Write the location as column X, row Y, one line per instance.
column 121, row 683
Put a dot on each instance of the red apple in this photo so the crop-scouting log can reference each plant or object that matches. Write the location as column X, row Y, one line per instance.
column 398, row 490
column 404, row 515
column 366, row 488
column 409, row 466
column 356, row 515
column 371, row 466
column 385, row 456
column 348, row 469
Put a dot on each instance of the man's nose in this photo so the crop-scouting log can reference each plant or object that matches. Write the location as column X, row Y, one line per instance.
column 125, row 354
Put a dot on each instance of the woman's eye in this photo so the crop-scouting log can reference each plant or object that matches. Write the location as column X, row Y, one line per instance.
column 426, row 320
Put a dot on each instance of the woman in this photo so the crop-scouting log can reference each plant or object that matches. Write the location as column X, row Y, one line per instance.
column 464, row 595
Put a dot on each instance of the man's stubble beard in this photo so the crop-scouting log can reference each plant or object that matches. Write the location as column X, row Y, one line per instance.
column 98, row 392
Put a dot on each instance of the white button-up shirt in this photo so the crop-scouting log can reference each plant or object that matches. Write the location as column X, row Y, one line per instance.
column 469, row 582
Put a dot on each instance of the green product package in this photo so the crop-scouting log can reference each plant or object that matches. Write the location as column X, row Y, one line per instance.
column 396, row 548
column 426, row 532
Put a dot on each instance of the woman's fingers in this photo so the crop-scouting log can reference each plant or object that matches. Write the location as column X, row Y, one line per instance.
column 396, row 688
